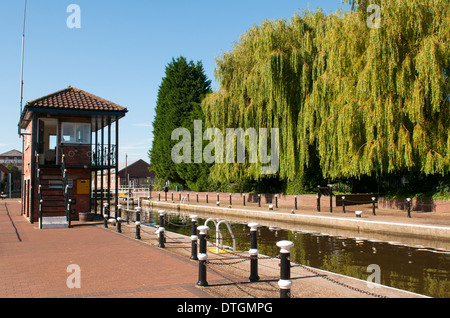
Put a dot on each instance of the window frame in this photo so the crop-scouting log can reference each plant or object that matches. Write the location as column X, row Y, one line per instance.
column 76, row 129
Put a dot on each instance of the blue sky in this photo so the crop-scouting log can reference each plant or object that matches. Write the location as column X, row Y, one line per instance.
column 120, row 52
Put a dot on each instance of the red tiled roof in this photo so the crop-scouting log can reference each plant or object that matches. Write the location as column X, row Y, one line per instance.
column 75, row 99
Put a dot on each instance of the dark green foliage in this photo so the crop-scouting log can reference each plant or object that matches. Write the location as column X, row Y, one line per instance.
column 178, row 105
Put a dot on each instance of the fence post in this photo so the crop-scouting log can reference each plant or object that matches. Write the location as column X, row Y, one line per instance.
column 343, row 203
column 254, row 277
column 373, row 205
column 194, row 237
column 408, row 200
column 285, row 282
column 161, row 229
column 202, row 256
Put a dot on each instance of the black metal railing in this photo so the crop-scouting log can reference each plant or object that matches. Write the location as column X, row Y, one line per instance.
column 103, row 156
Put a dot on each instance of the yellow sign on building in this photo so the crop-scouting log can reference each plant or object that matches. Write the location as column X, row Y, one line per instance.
column 83, row 187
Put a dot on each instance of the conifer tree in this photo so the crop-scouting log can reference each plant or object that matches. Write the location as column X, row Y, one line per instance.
column 178, row 105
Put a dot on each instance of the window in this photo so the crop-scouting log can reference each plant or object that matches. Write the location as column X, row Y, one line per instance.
column 75, row 133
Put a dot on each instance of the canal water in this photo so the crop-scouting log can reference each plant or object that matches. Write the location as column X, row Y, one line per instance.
column 416, row 269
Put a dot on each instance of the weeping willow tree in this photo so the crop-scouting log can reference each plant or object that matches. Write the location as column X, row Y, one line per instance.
column 358, row 99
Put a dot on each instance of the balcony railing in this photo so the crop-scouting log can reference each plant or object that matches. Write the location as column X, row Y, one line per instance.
column 93, row 156
column 103, row 156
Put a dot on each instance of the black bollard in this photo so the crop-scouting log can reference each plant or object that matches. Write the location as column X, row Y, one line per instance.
column 202, row 256
column 197, row 197
column 259, row 200
column 373, row 205
column 194, row 237
column 254, row 277
column 119, row 225
column 318, row 202
column 138, row 230
column 285, row 282
column 105, row 214
column 295, row 199
column 343, row 203
column 159, row 196
column 119, row 211
column 161, row 229
column 207, row 198
column 138, row 213
column 244, row 199
column 276, row 201
column 230, row 199
column 408, row 202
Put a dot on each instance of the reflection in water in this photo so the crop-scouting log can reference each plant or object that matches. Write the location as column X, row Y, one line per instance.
column 421, row 270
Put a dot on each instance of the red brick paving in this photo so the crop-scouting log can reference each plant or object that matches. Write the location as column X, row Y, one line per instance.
column 33, row 263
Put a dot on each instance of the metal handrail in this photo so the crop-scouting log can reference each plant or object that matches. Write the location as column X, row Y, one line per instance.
column 39, row 185
column 67, row 200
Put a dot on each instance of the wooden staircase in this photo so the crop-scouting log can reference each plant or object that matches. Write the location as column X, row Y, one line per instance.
column 51, row 198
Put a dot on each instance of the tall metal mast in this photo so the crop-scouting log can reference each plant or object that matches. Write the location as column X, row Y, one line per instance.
column 23, row 50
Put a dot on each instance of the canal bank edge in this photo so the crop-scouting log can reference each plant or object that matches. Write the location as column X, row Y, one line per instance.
column 362, row 226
